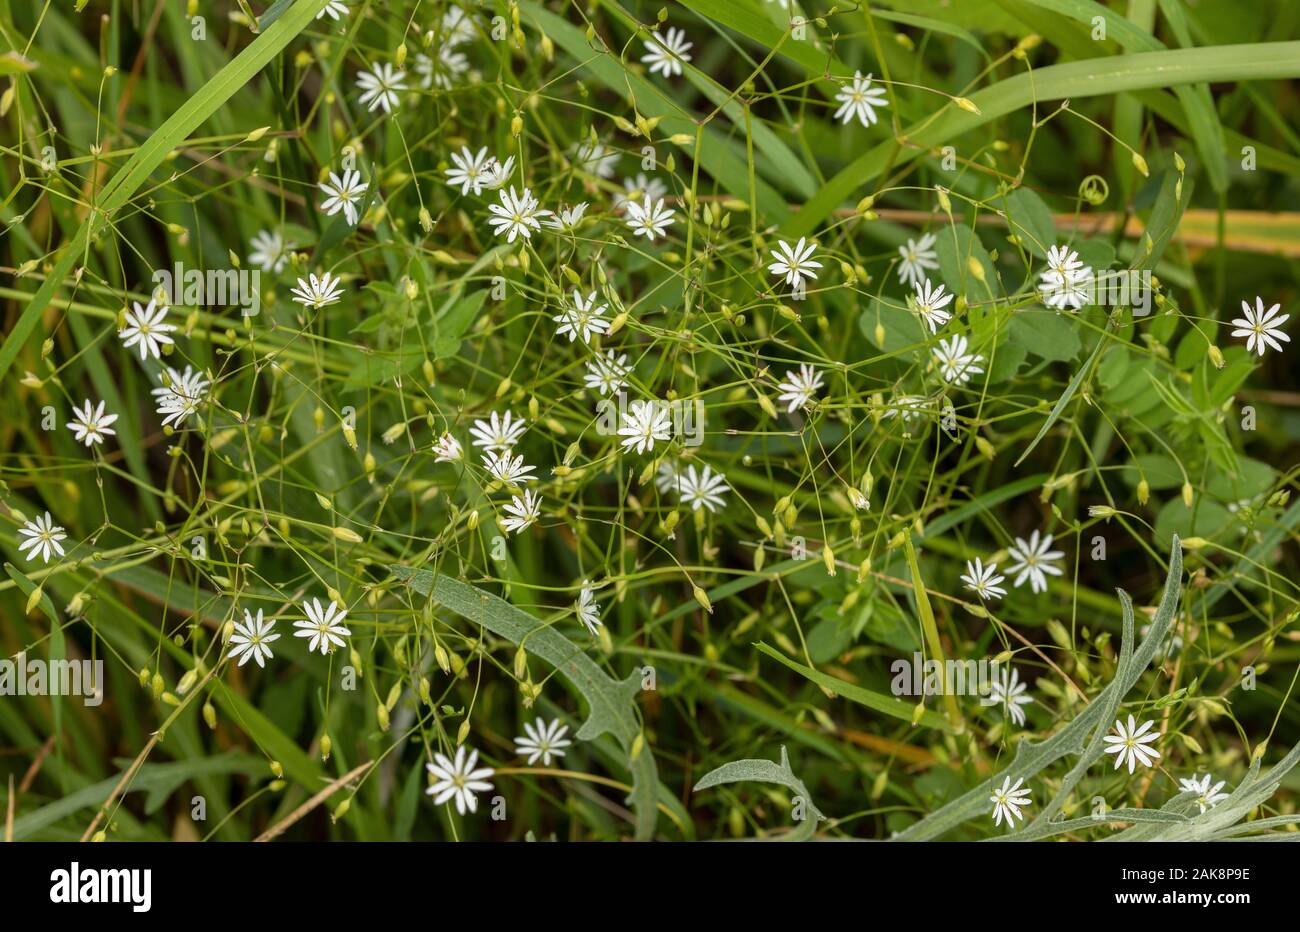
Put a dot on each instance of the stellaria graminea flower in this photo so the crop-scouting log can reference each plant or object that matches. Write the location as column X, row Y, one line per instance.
column 146, row 328
column 447, row 449
column 650, row 219
column 543, row 740
column 472, row 171
column 180, row 395
column 587, row 608
column 1034, row 560
column 316, row 292
column 1008, row 692
column 607, row 373
column 1129, row 744
column 956, row 365
column 1064, row 283
column 505, row 468
column 1261, row 327
column 269, row 251
column 516, row 215
column 497, row 432
column 666, row 53
column 582, row 318
column 91, row 427
column 644, row 423
column 343, row 194
column 459, row 780
column 323, row 625
column 42, row 538
column 916, row 257
column 1008, row 800
column 982, row 579
column 444, row 69
column 1207, row 796
column 523, row 511
column 381, row 87
column 595, row 157
column 335, row 9
column 930, row 302
column 860, row 100
column 705, row 489
column 566, row 219
column 639, row 189
column 799, row 387
column 794, row 264
column 251, row 639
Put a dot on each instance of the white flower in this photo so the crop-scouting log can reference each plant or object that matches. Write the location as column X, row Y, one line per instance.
column 543, row 740
column 1130, row 744
column 930, row 303
column 458, row 780
column 587, row 609
column 343, row 194
column 516, row 214
column 908, row 407
column 497, row 173
column 335, row 9
column 1064, row 283
column 1033, row 561
column 91, row 427
column 250, row 639
column 473, row 171
column 145, row 328
column 1008, row 800
column 567, row 219
column 323, row 625
column 649, row 219
column 1261, row 327
column 503, row 468
column 269, row 252
column 594, row 157
column 644, row 423
column 582, row 318
column 443, row 71
column 668, row 478
column 1007, row 691
column 316, row 292
column 523, row 511
column 702, row 490
column 1207, row 796
column 955, row 364
column 497, row 432
column 447, row 449
column 457, row 26
column 608, row 373
column 180, row 395
column 794, row 264
column 983, row 579
column 640, row 188
column 800, row 387
column 917, row 256
column 860, row 100
column 42, row 537
column 666, row 53
column 381, row 86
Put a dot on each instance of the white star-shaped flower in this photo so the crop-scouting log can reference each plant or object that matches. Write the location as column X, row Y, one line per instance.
column 180, row 395
column 1007, row 691
column 542, row 741
column 1260, row 327
column 650, row 219
column 145, row 327
column 91, row 427
column 1065, row 282
column 587, row 609
column 343, row 194
column 381, row 87
column 1008, row 800
column 582, row 318
column 1129, row 744
column 251, row 639
column 1034, row 560
column 982, row 579
column 459, row 780
column 42, row 538
column 667, row 53
column 447, row 449
column 800, row 387
column 1207, row 796
column 316, row 292
column 269, row 251
column 955, row 364
column 516, row 215
column 323, row 625
column 705, row 489
column 523, row 511
column 794, row 264
column 930, row 302
column 607, row 373
column 645, row 423
column 497, row 432
column 916, row 257
column 860, row 100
